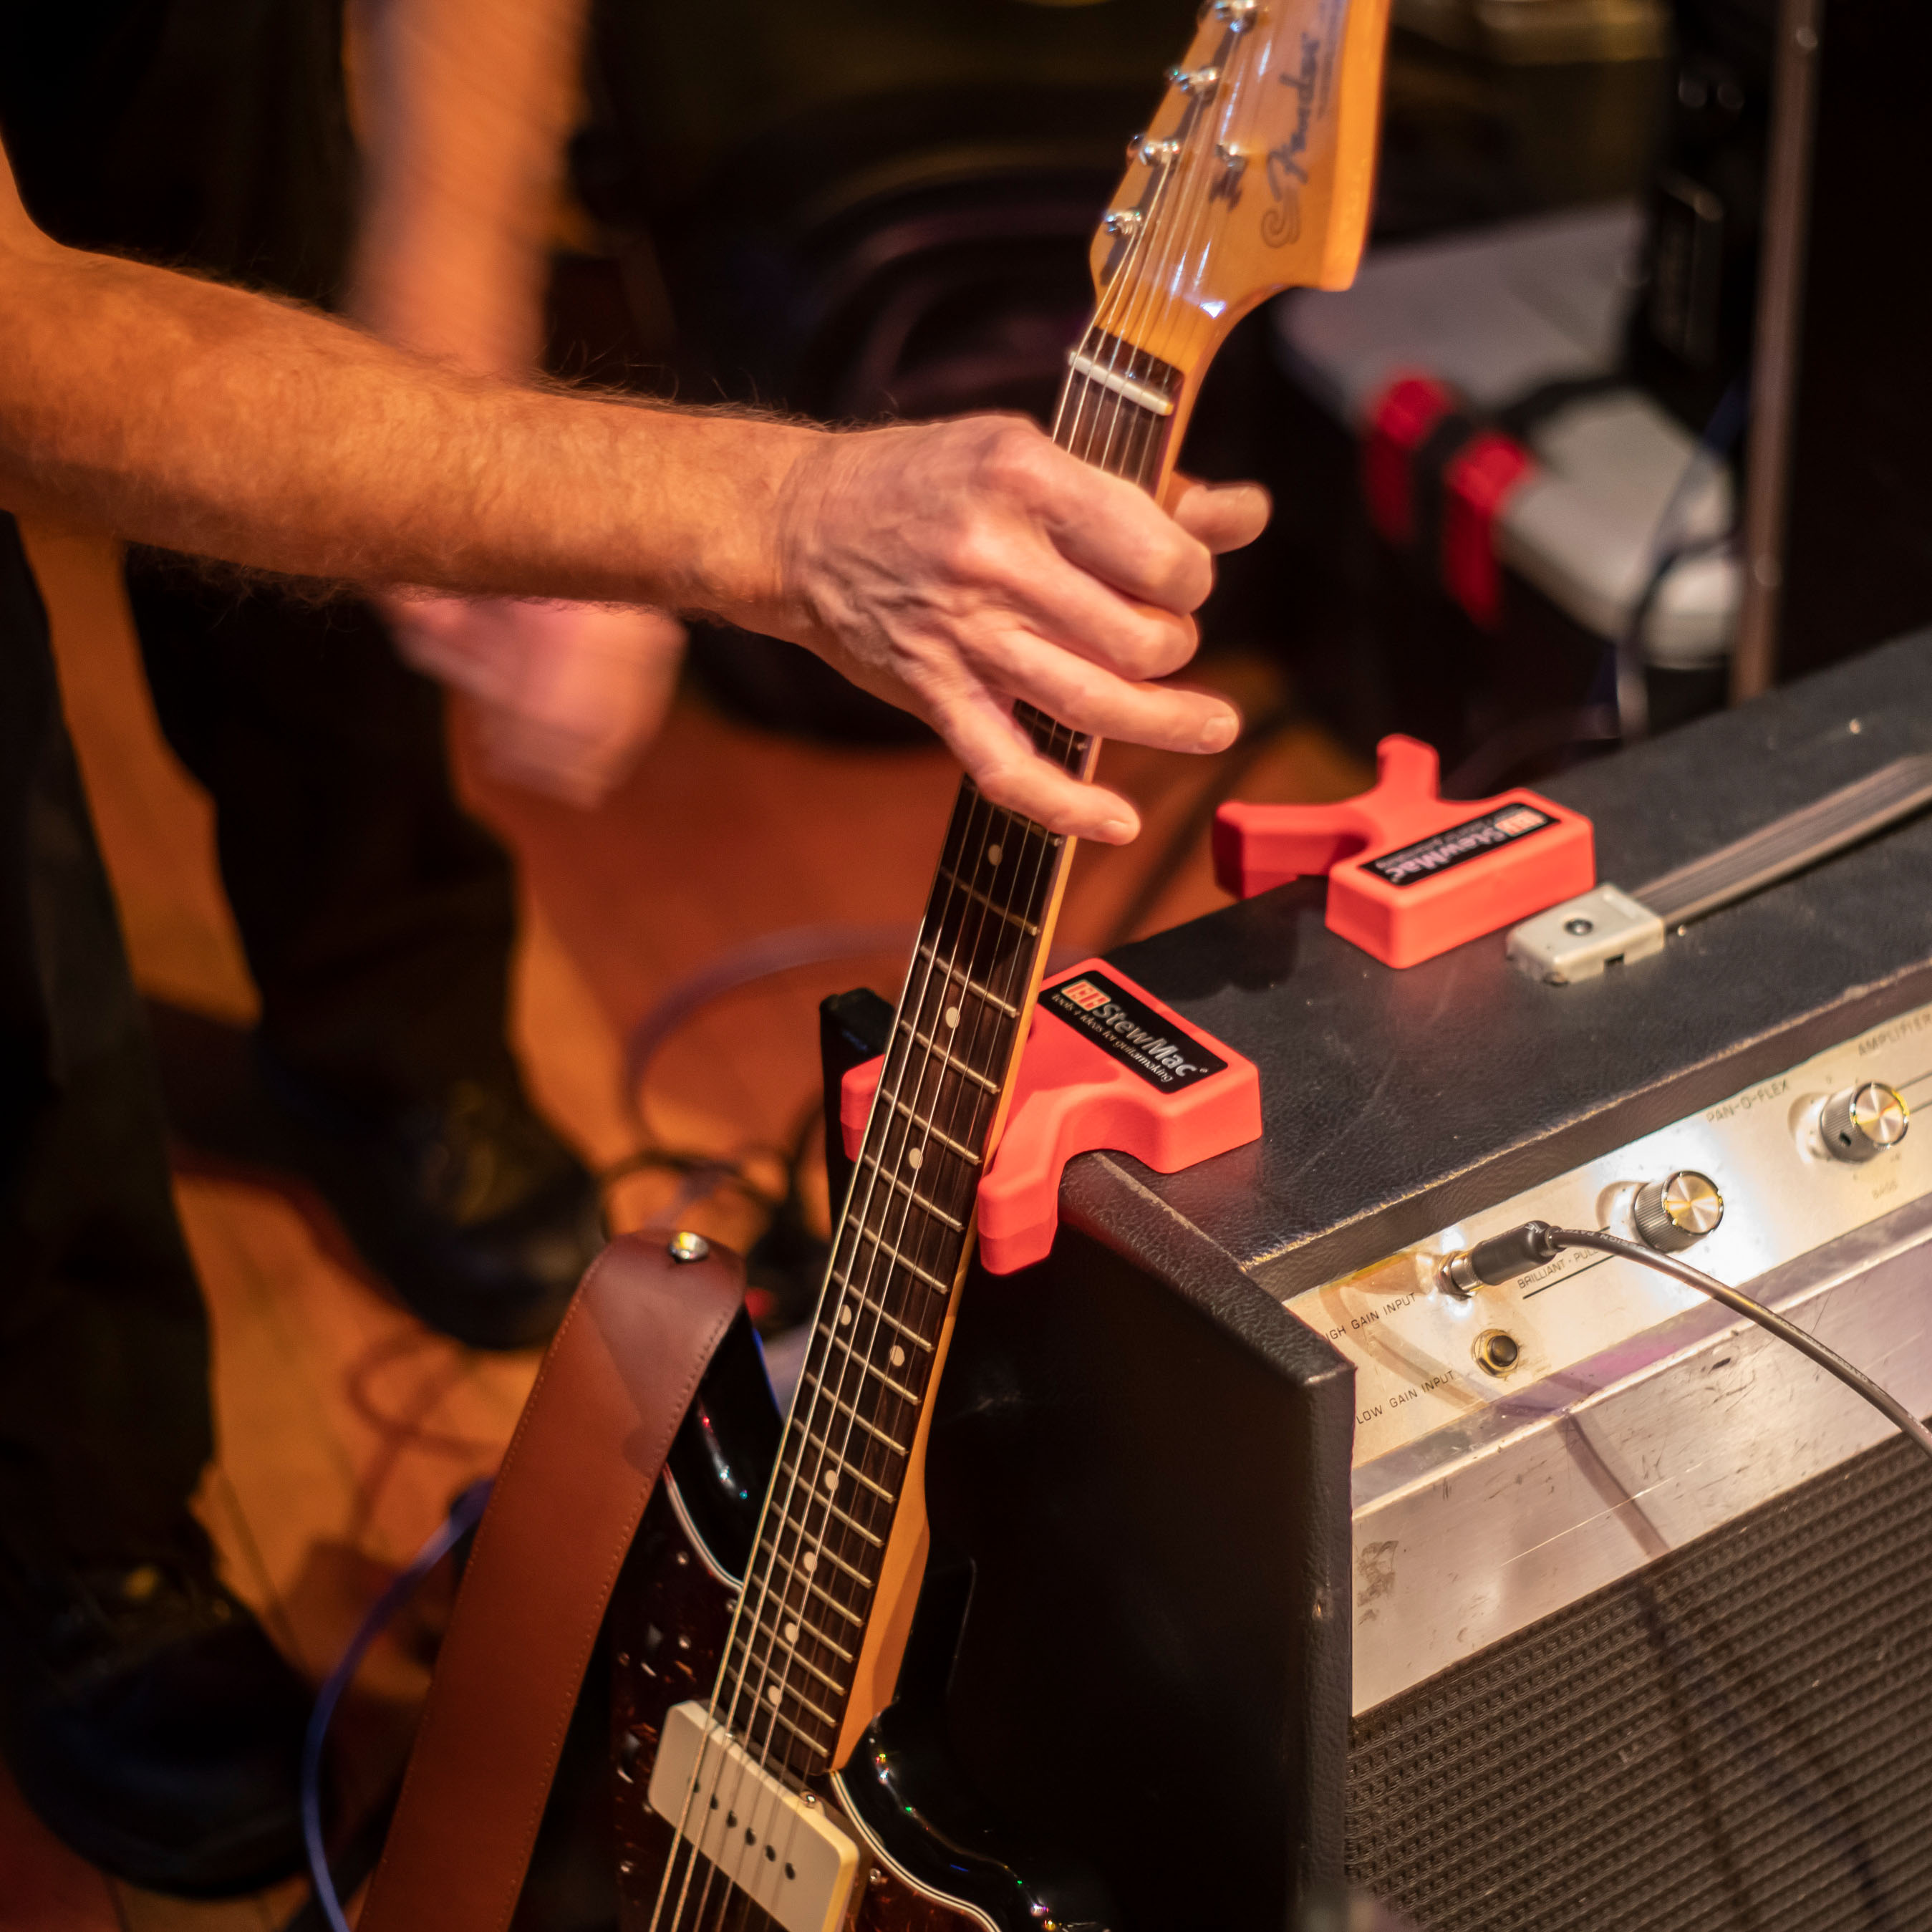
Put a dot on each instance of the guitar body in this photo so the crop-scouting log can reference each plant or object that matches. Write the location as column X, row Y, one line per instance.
column 926, row 1862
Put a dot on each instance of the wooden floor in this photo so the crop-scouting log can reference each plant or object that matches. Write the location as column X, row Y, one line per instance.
column 345, row 1427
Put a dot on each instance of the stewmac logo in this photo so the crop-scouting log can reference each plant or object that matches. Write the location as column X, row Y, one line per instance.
column 1084, row 994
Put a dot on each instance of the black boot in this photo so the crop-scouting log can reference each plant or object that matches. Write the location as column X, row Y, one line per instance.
column 149, row 1721
column 474, row 1212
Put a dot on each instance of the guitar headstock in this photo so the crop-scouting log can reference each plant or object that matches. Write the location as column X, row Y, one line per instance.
column 1255, row 174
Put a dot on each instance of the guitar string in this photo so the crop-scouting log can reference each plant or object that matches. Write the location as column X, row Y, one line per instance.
column 741, row 1638
column 964, row 860
column 1154, row 285
column 1106, row 461
column 1063, row 394
column 1191, row 162
column 1046, row 851
column 738, row 1635
column 979, row 959
column 945, row 1067
column 875, row 1146
column 973, row 841
column 776, row 1518
column 967, row 834
column 1103, row 327
column 1146, row 296
column 776, row 1514
column 829, row 1462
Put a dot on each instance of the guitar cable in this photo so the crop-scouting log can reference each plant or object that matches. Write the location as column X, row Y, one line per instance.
column 1503, row 1258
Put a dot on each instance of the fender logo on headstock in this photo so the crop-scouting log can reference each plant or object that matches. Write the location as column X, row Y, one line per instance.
column 1287, row 174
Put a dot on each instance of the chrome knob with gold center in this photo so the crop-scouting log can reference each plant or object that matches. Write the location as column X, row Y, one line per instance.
column 1864, row 1121
column 1672, row 1214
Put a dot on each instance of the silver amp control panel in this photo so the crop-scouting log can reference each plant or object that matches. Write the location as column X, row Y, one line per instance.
column 1767, row 1175
column 1517, row 1447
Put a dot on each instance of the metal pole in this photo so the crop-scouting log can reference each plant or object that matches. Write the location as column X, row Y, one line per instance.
column 1780, row 296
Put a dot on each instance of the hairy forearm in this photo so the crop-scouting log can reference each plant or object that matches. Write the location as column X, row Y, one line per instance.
column 182, row 413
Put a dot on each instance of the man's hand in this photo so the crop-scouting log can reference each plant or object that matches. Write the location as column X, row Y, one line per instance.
column 954, row 569
column 566, row 696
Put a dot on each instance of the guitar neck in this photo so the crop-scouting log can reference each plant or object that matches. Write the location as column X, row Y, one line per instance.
column 902, row 1241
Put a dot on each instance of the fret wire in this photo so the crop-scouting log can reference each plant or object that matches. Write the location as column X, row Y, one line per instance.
column 1025, row 925
column 872, row 1429
column 816, row 1589
column 972, row 1073
column 798, row 1697
column 828, row 1554
column 978, row 992
column 885, row 1247
column 957, row 1148
column 873, row 1369
column 764, row 1708
column 796, row 1614
column 912, row 1195
column 819, row 1500
column 741, row 1643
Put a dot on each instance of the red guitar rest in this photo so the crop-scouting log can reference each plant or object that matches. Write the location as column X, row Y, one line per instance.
column 1410, row 872
column 1106, row 1065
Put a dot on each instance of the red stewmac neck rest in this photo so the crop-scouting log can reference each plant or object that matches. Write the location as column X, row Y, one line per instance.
column 1106, row 1065
column 1411, row 873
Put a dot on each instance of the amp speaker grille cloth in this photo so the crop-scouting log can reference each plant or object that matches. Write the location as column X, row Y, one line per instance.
column 1739, row 1737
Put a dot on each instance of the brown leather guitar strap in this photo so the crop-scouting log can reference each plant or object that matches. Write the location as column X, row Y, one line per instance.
column 586, row 1454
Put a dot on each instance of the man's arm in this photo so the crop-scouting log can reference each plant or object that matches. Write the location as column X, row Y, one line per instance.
column 464, row 109
column 950, row 569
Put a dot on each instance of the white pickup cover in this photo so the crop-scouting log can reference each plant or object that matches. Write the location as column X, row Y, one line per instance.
column 790, row 1858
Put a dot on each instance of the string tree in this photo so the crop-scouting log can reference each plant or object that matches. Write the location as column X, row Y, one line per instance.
column 1198, row 83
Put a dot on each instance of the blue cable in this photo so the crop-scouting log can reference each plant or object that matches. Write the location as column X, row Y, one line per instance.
column 463, row 1516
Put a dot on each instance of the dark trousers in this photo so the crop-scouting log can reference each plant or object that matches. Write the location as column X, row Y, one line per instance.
column 103, row 1344
column 214, row 134
column 377, row 916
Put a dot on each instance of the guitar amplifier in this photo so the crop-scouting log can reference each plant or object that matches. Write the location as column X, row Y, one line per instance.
column 1268, row 1563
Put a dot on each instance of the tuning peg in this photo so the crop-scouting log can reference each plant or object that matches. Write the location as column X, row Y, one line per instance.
column 1125, row 221
column 1198, row 83
column 1155, row 154
column 1238, row 15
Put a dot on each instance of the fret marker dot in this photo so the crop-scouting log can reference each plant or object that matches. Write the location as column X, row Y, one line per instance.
column 953, row 1016
column 897, row 1356
column 811, row 1560
column 844, row 1315
column 772, row 1691
column 791, row 1632
column 913, row 1157
column 831, row 1481
column 992, row 855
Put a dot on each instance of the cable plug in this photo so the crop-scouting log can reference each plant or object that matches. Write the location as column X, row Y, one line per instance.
column 1499, row 1260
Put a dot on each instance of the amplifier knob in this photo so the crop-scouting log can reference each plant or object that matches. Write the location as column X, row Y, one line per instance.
column 1671, row 1214
column 1864, row 1121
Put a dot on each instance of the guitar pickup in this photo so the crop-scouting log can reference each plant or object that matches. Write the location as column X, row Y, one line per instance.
column 771, row 1842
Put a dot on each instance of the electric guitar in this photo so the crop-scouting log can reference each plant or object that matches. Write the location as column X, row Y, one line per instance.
column 760, row 1627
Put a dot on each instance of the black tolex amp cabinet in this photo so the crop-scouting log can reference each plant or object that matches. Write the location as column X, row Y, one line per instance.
column 1259, row 1576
